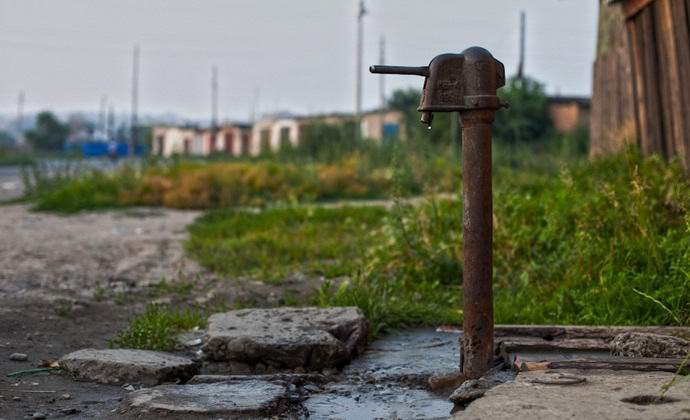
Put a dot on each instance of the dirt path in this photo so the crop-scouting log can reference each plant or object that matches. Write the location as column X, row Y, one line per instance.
column 71, row 282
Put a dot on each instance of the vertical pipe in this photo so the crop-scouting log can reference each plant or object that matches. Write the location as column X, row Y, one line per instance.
column 478, row 323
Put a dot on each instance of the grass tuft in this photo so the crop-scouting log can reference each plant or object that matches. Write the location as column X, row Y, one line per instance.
column 157, row 327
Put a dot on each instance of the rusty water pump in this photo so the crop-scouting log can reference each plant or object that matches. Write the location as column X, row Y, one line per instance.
column 466, row 83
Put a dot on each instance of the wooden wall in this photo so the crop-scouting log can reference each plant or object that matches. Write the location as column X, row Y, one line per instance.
column 658, row 41
column 612, row 121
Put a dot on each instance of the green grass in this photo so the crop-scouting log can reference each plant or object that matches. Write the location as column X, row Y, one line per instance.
column 272, row 243
column 156, row 328
column 574, row 247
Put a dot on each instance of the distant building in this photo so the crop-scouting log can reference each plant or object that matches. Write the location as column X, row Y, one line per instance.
column 569, row 113
column 283, row 130
column 382, row 125
column 192, row 141
column 234, row 140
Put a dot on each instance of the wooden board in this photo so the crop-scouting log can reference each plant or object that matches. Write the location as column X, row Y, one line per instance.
column 612, row 363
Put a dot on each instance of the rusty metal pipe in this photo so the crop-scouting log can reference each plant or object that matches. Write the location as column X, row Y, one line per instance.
column 478, row 322
column 467, row 83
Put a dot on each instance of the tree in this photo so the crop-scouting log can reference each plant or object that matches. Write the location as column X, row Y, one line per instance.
column 6, row 140
column 527, row 119
column 49, row 133
column 407, row 101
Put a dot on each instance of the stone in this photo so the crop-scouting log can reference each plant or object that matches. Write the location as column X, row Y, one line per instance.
column 472, row 389
column 120, row 366
column 246, row 399
column 287, row 338
column 604, row 395
column 19, row 357
column 634, row 344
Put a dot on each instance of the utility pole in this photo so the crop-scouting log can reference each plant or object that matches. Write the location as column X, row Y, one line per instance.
column 360, row 48
column 521, row 63
column 254, row 112
column 214, row 107
column 382, row 77
column 382, row 86
column 110, row 124
column 134, row 122
column 21, row 98
column 102, row 125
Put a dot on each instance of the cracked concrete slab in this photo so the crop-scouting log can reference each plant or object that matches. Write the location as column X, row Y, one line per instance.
column 238, row 399
column 120, row 366
column 289, row 338
column 600, row 396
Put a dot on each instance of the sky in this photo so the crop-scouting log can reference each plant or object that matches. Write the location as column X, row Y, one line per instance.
column 272, row 55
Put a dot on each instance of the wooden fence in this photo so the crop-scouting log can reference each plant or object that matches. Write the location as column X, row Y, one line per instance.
column 657, row 39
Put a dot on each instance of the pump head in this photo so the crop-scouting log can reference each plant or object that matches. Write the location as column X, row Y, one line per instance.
column 456, row 82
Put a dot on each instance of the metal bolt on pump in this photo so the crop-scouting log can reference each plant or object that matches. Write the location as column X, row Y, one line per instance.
column 466, row 83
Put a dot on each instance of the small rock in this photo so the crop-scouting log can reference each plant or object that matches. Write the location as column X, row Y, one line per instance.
column 121, row 366
column 15, row 398
column 38, row 415
column 69, row 411
column 330, row 371
column 19, row 357
column 66, row 396
column 129, row 388
column 472, row 389
column 634, row 344
column 312, row 388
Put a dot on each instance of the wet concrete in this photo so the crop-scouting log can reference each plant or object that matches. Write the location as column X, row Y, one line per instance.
column 376, row 401
column 389, row 380
column 409, row 357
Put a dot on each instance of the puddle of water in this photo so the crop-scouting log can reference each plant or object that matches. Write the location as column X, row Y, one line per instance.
column 365, row 402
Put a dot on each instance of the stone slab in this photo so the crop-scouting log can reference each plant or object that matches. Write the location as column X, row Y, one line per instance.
column 410, row 356
column 289, row 338
column 120, row 366
column 239, row 399
column 599, row 397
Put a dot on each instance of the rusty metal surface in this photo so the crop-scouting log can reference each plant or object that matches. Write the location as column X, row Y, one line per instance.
column 478, row 325
column 467, row 83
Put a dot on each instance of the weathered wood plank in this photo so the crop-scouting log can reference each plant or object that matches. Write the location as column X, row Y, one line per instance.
column 633, row 7
column 654, row 111
column 667, row 76
column 680, row 12
column 516, row 344
column 613, row 363
column 551, row 332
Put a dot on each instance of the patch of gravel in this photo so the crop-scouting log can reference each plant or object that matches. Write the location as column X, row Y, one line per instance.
column 46, row 255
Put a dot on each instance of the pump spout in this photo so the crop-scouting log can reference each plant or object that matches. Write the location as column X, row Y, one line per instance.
column 405, row 70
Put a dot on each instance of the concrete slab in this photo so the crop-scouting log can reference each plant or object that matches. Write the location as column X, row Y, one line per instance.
column 601, row 396
column 120, row 366
column 239, row 399
column 410, row 357
column 309, row 338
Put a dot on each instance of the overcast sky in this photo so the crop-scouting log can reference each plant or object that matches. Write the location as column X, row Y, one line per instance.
column 296, row 55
